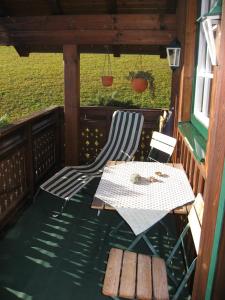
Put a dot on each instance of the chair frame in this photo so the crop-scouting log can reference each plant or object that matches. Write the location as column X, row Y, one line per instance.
column 194, row 225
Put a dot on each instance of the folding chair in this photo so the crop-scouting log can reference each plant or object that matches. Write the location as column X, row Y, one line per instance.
column 122, row 143
column 194, row 224
column 161, row 147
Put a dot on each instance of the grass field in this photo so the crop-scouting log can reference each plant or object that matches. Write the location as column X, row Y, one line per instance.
column 34, row 83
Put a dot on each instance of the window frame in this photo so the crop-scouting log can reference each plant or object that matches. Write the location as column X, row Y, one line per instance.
column 202, row 84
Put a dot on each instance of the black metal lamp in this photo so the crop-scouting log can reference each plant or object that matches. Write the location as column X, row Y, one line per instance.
column 173, row 54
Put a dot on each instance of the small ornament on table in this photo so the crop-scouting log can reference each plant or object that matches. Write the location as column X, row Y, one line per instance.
column 160, row 174
column 135, row 178
column 152, row 179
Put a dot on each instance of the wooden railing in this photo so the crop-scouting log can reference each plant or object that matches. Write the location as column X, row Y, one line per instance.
column 95, row 125
column 29, row 151
column 194, row 169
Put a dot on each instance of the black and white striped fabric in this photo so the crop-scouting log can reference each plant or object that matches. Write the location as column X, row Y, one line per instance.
column 122, row 144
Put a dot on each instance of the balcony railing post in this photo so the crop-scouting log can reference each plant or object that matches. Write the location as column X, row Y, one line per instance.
column 30, row 176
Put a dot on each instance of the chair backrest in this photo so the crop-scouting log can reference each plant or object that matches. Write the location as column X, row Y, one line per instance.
column 195, row 220
column 163, row 142
column 123, row 139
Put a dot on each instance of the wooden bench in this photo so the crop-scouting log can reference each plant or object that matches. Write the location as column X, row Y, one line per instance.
column 135, row 276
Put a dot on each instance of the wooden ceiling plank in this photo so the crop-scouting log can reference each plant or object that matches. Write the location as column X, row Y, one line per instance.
column 55, row 7
column 83, row 22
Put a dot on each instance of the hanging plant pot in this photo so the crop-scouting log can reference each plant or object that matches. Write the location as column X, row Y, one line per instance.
column 139, row 85
column 140, row 80
column 107, row 80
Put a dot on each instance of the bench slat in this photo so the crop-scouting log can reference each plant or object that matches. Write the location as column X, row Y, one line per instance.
column 112, row 275
column 160, row 286
column 128, row 275
column 144, row 277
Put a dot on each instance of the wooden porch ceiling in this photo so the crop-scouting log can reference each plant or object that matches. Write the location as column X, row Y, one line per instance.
column 126, row 26
column 71, row 7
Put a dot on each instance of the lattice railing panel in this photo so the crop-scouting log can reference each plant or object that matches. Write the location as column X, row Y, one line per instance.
column 92, row 140
column 13, row 184
column 44, row 152
column 29, row 151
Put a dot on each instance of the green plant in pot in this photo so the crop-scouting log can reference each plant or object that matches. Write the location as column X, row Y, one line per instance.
column 140, row 80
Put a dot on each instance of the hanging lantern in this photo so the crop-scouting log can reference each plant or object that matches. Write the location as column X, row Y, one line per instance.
column 173, row 54
column 107, row 78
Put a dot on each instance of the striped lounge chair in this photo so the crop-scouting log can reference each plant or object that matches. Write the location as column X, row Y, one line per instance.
column 122, row 144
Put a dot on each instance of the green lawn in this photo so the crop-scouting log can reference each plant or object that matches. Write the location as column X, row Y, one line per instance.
column 34, row 83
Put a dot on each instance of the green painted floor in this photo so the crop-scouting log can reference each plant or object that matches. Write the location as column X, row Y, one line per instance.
column 44, row 258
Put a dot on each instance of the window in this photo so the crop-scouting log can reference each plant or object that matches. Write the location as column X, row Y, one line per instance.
column 204, row 73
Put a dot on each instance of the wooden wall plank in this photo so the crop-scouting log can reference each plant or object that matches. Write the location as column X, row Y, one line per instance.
column 189, row 61
column 177, row 74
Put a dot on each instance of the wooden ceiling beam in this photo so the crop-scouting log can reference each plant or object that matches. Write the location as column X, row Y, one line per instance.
column 22, row 51
column 101, row 29
column 100, row 49
column 86, row 37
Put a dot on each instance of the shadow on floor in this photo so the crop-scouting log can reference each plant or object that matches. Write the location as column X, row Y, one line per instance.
column 47, row 258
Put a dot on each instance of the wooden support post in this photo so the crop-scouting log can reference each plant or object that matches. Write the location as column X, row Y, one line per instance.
column 71, row 102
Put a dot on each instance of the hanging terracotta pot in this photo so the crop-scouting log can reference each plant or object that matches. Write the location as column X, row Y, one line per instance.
column 139, row 85
column 107, row 80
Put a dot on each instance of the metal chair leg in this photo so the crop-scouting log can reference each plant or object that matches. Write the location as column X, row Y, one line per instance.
column 179, row 241
column 114, row 230
column 185, row 279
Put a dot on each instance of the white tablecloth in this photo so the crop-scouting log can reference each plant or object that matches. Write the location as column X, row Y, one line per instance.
column 142, row 205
